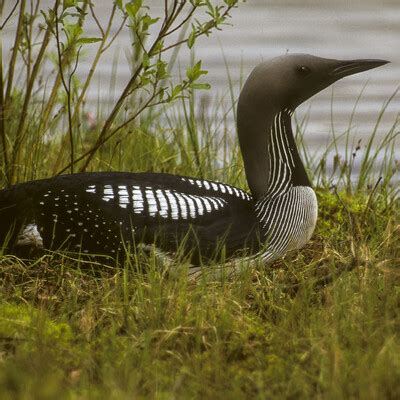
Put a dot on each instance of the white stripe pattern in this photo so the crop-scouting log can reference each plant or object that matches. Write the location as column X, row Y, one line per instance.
column 287, row 213
column 218, row 187
column 167, row 203
column 280, row 158
column 287, row 220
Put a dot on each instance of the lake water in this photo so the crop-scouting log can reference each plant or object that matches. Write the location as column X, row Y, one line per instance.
column 260, row 30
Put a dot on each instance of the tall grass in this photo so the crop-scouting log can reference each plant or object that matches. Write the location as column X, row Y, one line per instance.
column 323, row 322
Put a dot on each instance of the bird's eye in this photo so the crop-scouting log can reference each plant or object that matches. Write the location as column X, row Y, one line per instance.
column 303, row 70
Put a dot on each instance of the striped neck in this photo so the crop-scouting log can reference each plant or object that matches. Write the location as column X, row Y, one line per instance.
column 272, row 162
column 285, row 166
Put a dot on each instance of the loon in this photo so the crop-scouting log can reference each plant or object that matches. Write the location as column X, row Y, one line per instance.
column 104, row 213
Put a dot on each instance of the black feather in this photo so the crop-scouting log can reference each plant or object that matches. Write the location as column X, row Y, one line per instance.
column 78, row 213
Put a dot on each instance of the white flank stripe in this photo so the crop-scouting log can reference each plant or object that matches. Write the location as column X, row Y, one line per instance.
column 173, row 205
column 216, row 207
column 124, row 199
column 199, row 204
column 207, row 204
column 163, row 203
column 236, row 192
column 137, row 199
column 219, row 201
column 153, row 210
column 191, row 205
column 182, row 205
column 123, row 191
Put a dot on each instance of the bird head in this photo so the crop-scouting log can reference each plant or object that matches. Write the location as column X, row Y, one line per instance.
column 291, row 79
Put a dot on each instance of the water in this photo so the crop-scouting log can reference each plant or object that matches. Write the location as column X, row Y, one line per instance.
column 260, row 30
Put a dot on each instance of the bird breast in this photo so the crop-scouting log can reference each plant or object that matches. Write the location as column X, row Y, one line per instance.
column 287, row 220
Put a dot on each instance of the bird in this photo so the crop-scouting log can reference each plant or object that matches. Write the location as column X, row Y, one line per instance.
column 111, row 213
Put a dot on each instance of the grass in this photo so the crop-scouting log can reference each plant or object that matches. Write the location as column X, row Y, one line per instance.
column 321, row 323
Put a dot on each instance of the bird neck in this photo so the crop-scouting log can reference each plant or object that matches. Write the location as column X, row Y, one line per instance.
column 272, row 161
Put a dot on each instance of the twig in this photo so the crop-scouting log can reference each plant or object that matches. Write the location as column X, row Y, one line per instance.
column 102, row 47
column 67, row 88
column 96, row 19
column 17, row 41
column 21, row 124
column 166, row 25
column 9, row 15
column 2, row 126
column 113, row 132
column 370, row 196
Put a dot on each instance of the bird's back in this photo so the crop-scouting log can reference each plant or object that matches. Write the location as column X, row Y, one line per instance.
column 101, row 213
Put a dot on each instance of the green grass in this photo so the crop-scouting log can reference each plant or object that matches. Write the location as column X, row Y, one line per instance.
column 322, row 323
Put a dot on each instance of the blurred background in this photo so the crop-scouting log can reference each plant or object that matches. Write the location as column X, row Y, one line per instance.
column 261, row 29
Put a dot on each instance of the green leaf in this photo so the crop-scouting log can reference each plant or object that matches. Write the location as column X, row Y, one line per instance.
column 73, row 31
column 147, row 21
column 191, row 39
column 161, row 70
column 119, row 4
column 158, row 47
column 146, row 60
column 230, row 3
column 69, row 4
column 144, row 80
column 132, row 8
column 201, row 86
column 194, row 73
column 176, row 90
column 85, row 40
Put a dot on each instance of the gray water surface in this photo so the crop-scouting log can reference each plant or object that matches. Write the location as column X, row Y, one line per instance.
column 260, row 30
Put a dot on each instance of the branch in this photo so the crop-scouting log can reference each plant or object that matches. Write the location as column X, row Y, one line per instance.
column 18, row 37
column 9, row 15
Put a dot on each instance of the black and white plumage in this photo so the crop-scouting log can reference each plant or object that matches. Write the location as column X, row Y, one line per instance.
column 100, row 213
column 106, row 213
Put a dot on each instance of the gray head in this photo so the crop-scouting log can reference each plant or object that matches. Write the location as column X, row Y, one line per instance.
column 275, row 85
column 291, row 79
